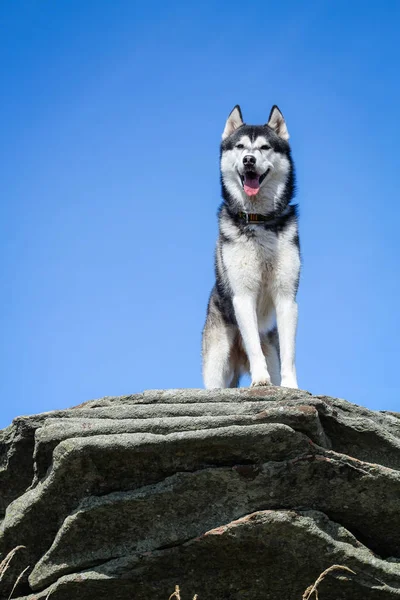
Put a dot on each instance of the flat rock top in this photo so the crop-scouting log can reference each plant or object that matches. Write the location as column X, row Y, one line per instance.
column 246, row 493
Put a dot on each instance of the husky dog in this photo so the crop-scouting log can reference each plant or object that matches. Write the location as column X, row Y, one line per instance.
column 252, row 312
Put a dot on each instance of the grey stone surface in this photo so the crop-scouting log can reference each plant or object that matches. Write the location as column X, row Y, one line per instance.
column 234, row 494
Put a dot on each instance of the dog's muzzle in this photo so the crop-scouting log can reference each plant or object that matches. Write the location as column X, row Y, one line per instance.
column 251, row 181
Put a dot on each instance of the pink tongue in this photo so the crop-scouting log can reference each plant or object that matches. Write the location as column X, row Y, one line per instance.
column 251, row 186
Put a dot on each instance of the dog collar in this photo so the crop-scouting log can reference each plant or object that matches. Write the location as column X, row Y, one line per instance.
column 255, row 218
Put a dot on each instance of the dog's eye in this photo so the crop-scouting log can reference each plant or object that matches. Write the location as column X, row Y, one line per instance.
column 265, row 147
column 239, row 146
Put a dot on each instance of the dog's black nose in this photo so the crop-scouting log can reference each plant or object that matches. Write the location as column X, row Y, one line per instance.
column 249, row 160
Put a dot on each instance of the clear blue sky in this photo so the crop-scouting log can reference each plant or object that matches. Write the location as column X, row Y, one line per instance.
column 111, row 116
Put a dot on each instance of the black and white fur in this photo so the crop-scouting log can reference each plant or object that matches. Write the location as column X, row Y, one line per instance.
column 252, row 312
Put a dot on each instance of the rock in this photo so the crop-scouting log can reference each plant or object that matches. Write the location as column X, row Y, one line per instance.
column 246, row 493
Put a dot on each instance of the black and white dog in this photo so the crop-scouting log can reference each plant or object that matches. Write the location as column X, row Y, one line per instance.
column 252, row 312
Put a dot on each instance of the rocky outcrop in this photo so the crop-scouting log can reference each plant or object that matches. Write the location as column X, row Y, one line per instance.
column 233, row 494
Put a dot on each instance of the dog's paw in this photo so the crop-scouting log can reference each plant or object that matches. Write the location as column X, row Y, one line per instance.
column 261, row 383
column 289, row 382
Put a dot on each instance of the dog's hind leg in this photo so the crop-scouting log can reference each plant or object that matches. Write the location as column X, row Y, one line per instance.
column 270, row 346
column 235, row 379
column 218, row 370
column 218, row 338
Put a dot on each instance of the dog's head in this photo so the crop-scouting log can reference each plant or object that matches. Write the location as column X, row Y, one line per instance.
column 255, row 159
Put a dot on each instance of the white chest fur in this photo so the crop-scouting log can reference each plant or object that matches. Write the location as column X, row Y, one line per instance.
column 262, row 266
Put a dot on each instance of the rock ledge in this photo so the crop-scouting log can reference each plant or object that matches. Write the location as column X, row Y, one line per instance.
column 233, row 494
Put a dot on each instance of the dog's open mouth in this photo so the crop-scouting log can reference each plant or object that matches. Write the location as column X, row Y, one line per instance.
column 251, row 181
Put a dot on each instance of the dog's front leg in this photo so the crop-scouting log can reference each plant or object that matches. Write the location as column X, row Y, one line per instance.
column 246, row 316
column 286, row 317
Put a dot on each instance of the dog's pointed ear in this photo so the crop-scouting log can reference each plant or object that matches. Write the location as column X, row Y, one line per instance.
column 234, row 121
column 277, row 122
